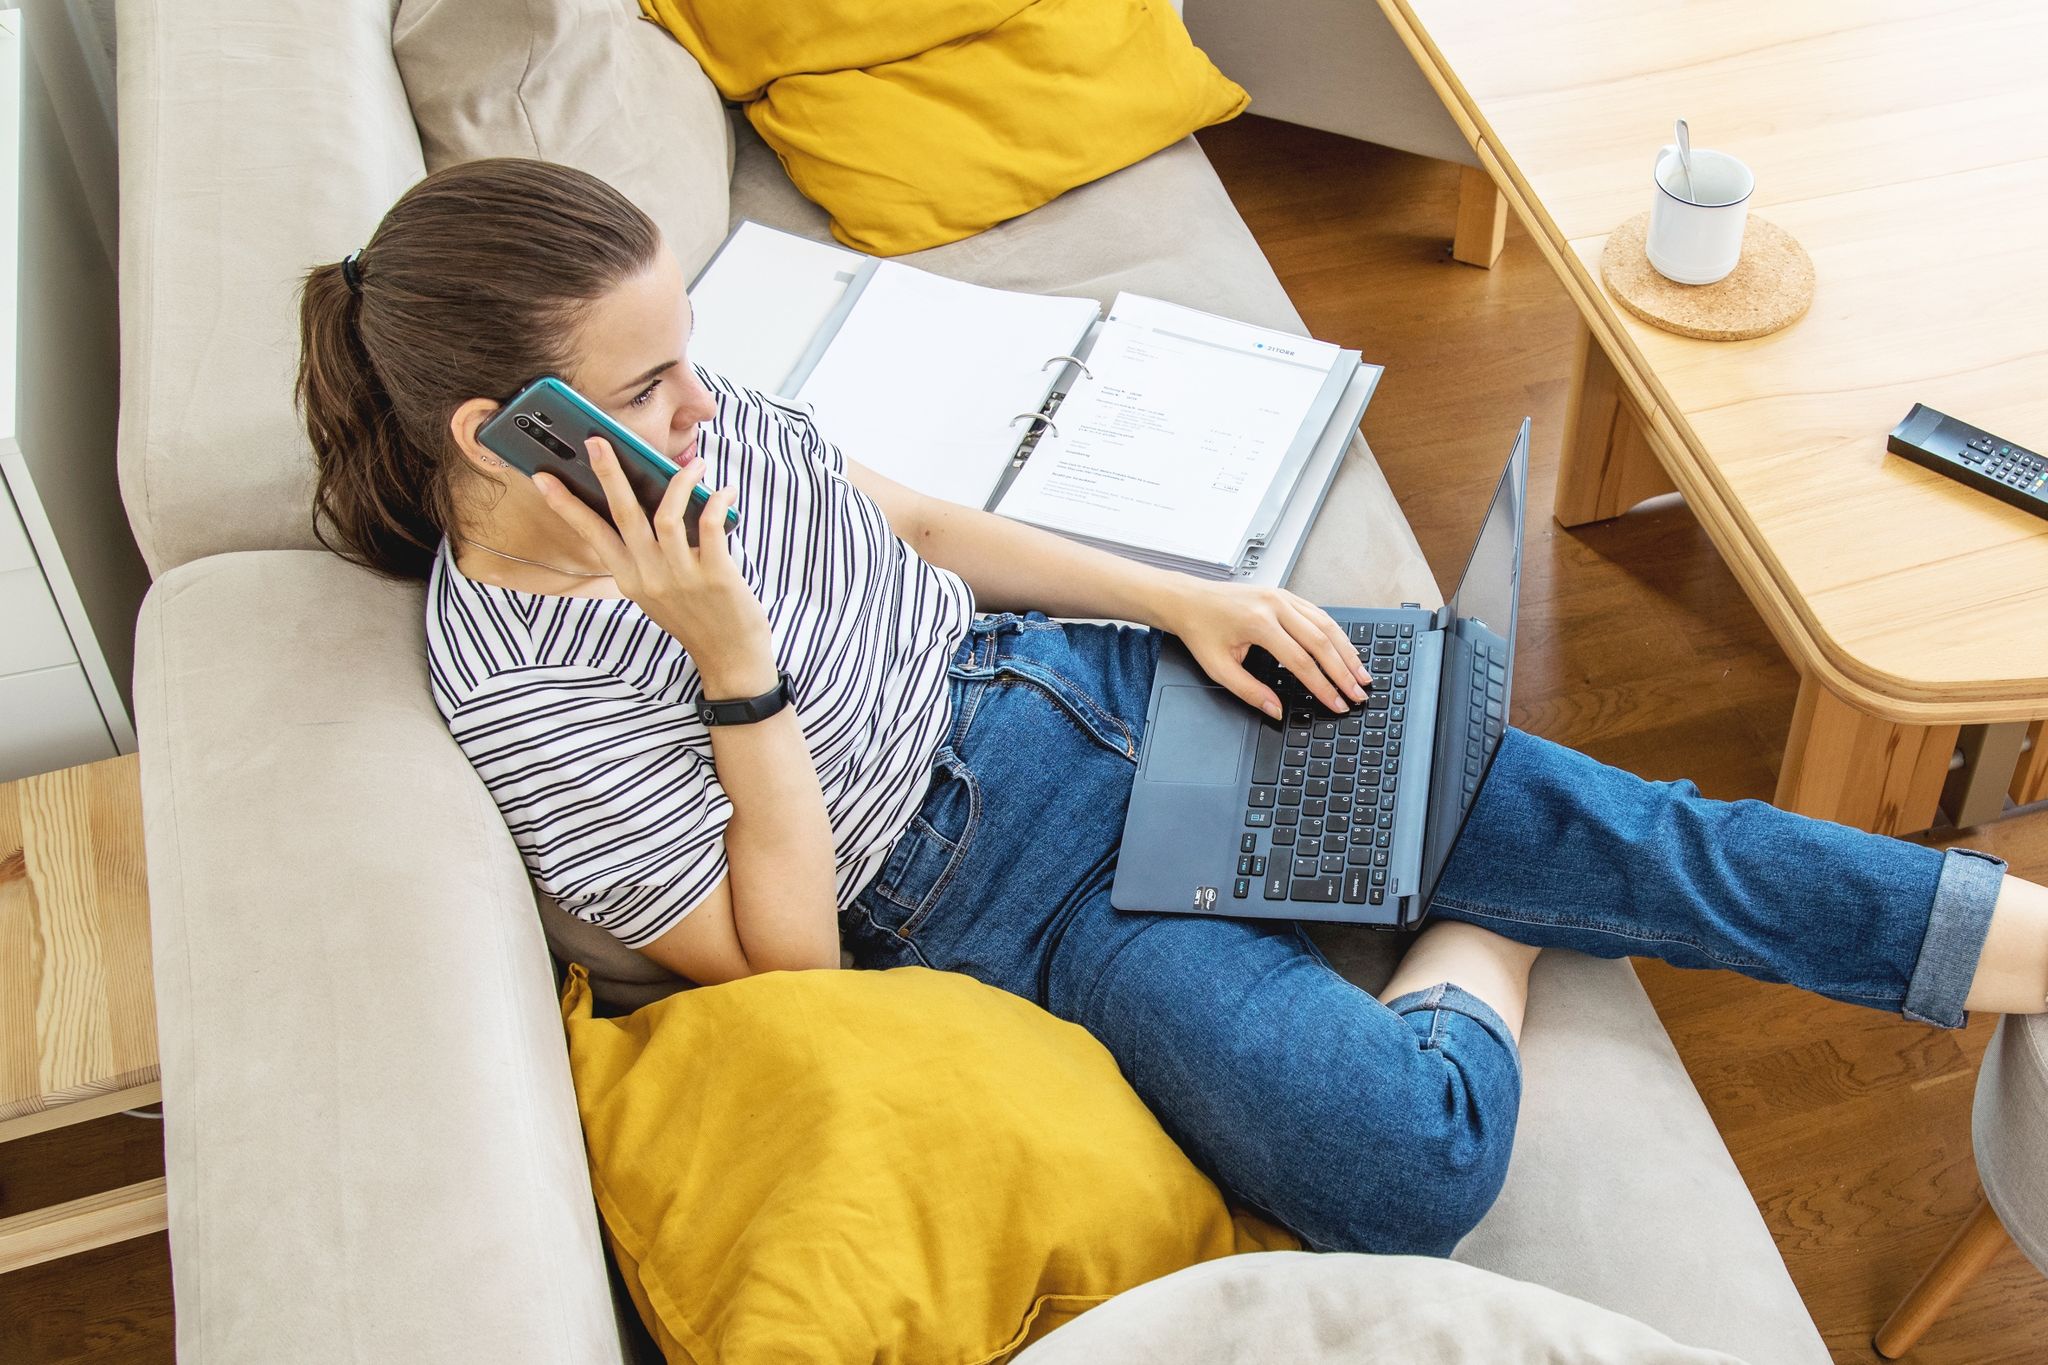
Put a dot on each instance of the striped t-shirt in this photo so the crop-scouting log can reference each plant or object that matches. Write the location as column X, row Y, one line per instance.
column 578, row 713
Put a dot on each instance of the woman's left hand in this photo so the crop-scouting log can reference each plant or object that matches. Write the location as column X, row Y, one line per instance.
column 1220, row 622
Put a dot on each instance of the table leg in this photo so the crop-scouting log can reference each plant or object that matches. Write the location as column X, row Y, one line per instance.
column 1854, row 768
column 1973, row 1247
column 1607, row 466
column 1482, row 220
column 2030, row 778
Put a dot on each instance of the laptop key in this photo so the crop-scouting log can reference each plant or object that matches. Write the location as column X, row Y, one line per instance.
column 1333, row 865
column 1312, row 810
column 1292, row 777
column 1276, row 886
column 1241, row 888
column 1317, row 787
column 1379, row 858
column 1286, row 815
column 1258, row 819
column 1333, row 843
column 1247, row 843
column 1348, row 726
column 1290, row 796
column 1304, row 867
column 1324, row 729
column 1359, row 857
column 1360, row 632
column 1282, row 837
column 1354, row 886
column 1261, row 796
column 1320, row 889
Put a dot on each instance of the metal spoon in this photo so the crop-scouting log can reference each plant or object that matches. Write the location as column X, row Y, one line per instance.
column 1685, row 159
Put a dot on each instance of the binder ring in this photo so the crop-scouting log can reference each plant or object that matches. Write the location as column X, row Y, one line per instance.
column 1086, row 373
column 1035, row 417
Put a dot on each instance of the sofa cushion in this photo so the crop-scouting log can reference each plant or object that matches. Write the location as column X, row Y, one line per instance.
column 1348, row 1309
column 922, row 124
column 892, row 1166
column 587, row 83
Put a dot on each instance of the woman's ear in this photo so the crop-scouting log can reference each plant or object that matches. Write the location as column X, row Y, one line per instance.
column 467, row 420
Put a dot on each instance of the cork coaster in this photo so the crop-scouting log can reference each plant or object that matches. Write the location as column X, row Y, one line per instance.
column 1770, row 289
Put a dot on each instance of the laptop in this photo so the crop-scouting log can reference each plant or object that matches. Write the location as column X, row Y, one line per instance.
column 1321, row 815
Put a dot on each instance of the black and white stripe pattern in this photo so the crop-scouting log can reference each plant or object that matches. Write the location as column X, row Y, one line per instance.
column 578, row 712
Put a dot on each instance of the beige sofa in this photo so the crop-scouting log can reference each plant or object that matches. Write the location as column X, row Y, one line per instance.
column 372, row 1143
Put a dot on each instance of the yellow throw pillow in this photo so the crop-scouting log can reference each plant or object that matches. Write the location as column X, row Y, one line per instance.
column 972, row 125
column 901, row 1166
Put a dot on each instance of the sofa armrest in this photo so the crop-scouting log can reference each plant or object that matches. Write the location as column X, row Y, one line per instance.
column 370, row 1133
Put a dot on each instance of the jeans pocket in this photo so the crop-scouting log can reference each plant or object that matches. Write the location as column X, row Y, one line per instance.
column 927, row 855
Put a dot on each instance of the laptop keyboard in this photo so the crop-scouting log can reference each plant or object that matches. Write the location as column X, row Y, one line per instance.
column 1489, row 699
column 1323, row 785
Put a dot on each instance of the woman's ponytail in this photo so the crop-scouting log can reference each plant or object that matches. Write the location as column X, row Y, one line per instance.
column 385, row 502
column 470, row 287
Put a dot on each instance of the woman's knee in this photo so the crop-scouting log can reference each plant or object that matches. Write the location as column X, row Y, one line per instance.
column 1431, row 1147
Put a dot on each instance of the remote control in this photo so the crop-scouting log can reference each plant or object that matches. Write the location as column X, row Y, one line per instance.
column 1972, row 456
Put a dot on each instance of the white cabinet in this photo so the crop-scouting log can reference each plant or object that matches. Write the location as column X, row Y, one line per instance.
column 70, row 578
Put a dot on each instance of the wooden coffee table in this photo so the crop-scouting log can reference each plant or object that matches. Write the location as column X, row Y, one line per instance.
column 77, row 1009
column 1906, row 146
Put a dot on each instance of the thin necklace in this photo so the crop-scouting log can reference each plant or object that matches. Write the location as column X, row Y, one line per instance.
column 552, row 568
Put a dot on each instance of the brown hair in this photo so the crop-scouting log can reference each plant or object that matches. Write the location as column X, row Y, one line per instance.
column 472, row 285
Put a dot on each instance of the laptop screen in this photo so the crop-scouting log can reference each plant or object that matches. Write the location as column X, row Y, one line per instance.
column 1478, row 658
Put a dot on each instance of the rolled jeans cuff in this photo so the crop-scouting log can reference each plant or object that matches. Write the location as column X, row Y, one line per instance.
column 1956, row 925
column 1458, row 1000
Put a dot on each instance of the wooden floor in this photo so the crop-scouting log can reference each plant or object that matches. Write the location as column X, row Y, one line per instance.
column 1852, row 1128
column 1636, row 646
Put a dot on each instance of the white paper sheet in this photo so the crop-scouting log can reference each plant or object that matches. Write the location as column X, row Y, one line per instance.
column 1170, row 443
column 925, row 377
column 761, row 301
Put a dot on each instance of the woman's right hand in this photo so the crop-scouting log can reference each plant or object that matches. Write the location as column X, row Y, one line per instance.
column 695, row 594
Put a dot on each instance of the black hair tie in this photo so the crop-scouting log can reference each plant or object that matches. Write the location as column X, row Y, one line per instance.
column 351, row 273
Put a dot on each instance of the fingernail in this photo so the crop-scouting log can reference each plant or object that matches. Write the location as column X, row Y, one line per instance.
column 1273, row 708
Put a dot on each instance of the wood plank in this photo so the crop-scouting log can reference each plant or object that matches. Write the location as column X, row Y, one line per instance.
column 82, row 1224
column 74, row 939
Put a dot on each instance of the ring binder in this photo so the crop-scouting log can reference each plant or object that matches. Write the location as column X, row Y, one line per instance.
column 1086, row 373
column 1036, row 417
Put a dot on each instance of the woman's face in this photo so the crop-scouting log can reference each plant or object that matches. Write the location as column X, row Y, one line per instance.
column 630, row 360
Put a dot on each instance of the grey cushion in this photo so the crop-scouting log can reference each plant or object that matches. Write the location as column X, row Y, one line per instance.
column 2010, row 1130
column 587, row 83
column 1346, row 1309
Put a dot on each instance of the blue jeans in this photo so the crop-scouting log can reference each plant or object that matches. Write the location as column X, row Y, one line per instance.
column 1364, row 1126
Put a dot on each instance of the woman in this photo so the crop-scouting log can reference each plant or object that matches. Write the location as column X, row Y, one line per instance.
column 948, row 788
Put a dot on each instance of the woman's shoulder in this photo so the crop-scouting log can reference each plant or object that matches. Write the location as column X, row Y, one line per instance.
column 484, row 639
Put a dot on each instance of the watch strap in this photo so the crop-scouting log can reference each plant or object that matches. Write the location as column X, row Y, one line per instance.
column 747, row 710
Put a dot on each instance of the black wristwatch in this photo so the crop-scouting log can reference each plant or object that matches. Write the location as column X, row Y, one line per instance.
column 747, row 710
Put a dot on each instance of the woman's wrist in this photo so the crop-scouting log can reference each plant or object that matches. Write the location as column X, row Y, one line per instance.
column 737, row 675
column 1164, row 598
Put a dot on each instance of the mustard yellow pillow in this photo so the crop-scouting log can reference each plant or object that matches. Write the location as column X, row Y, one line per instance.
column 919, row 125
column 901, row 1166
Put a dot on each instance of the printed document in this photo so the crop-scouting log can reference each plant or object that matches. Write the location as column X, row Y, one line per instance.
column 1171, row 440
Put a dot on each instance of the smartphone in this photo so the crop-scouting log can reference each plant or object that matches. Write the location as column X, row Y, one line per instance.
column 543, row 428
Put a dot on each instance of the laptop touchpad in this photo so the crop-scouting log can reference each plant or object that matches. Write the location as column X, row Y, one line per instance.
column 1198, row 736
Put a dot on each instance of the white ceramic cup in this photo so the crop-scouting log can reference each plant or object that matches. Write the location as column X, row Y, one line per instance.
column 1696, row 237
